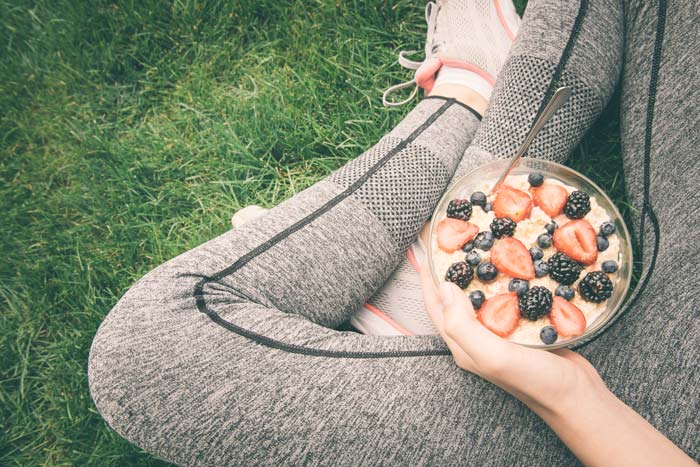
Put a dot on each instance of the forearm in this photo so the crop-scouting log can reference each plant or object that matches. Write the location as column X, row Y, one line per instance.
column 602, row 431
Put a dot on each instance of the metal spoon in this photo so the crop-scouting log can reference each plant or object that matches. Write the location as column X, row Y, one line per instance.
column 558, row 99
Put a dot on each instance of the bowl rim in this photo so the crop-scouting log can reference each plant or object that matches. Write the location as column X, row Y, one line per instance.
column 601, row 324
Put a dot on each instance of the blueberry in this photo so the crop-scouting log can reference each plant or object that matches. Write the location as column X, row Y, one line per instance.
column 488, row 207
column 609, row 266
column 518, row 286
column 535, row 179
column 607, row 228
column 544, row 240
column 536, row 253
column 477, row 297
column 602, row 243
column 565, row 292
column 473, row 258
column 548, row 335
column 541, row 269
column 486, row 272
column 478, row 198
column 467, row 247
column 551, row 227
column 483, row 240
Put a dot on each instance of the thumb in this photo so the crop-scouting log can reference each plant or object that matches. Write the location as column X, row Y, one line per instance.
column 458, row 312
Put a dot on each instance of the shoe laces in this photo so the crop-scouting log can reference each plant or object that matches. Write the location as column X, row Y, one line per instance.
column 431, row 46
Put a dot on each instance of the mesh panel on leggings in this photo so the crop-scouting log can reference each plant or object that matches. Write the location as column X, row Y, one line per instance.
column 515, row 102
column 403, row 193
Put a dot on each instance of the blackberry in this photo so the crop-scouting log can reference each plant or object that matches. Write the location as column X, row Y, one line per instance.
column 536, row 253
column 541, row 268
column 565, row 292
column 473, row 258
column 535, row 179
column 595, row 287
column 563, row 269
column 486, row 272
column 518, row 286
column 478, row 198
column 460, row 273
column 503, row 227
column 609, row 266
column 483, row 240
column 607, row 228
column 548, row 335
column 477, row 298
column 535, row 303
column 459, row 209
column 544, row 240
column 577, row 205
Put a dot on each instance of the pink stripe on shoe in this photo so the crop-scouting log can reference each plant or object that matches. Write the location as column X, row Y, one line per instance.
column 502, row 17
column 412, row 259
column 386, row 318
column 471, row 67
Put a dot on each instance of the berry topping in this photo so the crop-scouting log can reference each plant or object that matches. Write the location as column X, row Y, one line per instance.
column 550, row 198
column 578, row 240
column 535, row 179
column 544, row 240
column 483, row 241
column 609, row 266
column 536, row 253
column 512, row 203
column 453, row 233
column 602, row 243
column 607, row 228
column 477, row 298
column 459, row 209
column 565, row 292
column 469, row 246
column 535, row 303
column 551, row 227
column 511, row 257
column 500, row 314
column 548, row 335
column 567, row 318
column 518, row 286
column 486, row 272
column 577, row 205
column 478, row 198
column 473, row 258
column 563, row 269
column 460, row 273
column 502, row 227
column 595, row 287
column 541, row 268
column 488, row 207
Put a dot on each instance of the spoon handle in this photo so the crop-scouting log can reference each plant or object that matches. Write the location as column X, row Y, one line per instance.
column 558, row 99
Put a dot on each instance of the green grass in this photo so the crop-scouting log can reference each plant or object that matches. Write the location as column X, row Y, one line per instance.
column 130, row 131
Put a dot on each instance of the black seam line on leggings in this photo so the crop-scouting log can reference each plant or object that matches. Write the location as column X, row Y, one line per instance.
column 198, row 292
column 564, row 59
column 647, row 208
column 461, row 104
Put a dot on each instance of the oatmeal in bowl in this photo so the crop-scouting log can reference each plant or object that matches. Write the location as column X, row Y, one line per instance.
column 546, row 260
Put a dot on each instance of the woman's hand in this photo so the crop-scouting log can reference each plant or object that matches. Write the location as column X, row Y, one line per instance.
column 542, row 380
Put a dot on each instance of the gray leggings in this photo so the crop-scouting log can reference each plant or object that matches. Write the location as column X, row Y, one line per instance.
column 227, row 354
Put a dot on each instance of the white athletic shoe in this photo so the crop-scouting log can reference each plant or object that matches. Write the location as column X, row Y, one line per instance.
column 470, row 35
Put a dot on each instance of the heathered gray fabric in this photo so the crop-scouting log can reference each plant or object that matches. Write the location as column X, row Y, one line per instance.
column 591, row 71
column 183, row 387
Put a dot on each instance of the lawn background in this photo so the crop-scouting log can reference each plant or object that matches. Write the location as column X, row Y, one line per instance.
column 130, row 131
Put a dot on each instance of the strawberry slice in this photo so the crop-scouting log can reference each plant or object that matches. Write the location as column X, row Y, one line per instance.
column 512, row 203
column 577, row 239
column 500, row 314
column 511, row 257
column 453, row 233
column 567, row 319
column 550, row 198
